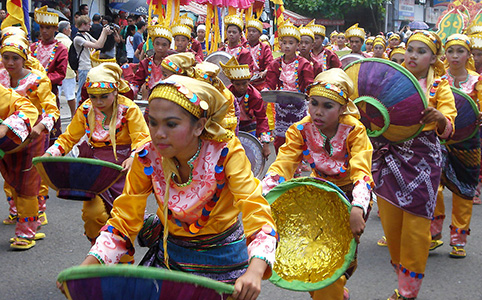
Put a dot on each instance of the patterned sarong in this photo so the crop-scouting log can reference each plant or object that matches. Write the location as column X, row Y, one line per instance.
column 408, row 174
column 222, row 257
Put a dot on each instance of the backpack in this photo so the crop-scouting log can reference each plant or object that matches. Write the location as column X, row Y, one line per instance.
column 74, row 57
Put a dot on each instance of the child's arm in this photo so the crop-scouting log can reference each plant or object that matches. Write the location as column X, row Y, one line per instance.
column 248, row 286
column 48, row 102
column 444, row 112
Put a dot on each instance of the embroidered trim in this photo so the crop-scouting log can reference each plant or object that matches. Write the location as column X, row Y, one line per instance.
column 97, row 256
column 412, row 274
column 113, row 230
column 297, row 84
column 190, row 163
column 52, row 55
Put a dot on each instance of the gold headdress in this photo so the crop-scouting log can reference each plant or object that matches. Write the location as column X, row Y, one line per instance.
column 476, row 41
column 317, row 29
column 254, row 23
column 180, row 29
column 397, row 50
column 16, row 44
column 431, row 39
column 44, row 17
column 355, row 31
column 186, row 20
column 180, row 63
column 234, row 20
column 13, row 30
column 306, row 31
column 379, row 40
column 234, row 71
column 289, row 30
column 95, row 60
column 156, row 31
column 394, row 36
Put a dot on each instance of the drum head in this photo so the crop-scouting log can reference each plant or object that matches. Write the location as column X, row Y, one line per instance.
column 77, row 178
column 217, row 58
column 389, row 98
column 466, row 121
column 349, row 58
column 283, row 97
column 254, row 151
column 316, row 244
column 138, row 282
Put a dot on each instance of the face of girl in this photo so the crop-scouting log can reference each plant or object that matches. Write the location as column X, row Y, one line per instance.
column 12, row 61
column 103, row 101
column 378, row 51
column 399, row 58
column 418, row 58
column 477, row 57
column 161, row 46
column 369, row 47
column 289, row 45
column 340, row 40
column 457, row 56
column 181, row 43
column 325, row 113
column 173, row 130
column 394, row 42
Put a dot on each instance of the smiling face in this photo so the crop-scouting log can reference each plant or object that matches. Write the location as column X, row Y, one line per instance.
column 325, row 113
column 457, row 56
column 418, row 59
column 174, row 131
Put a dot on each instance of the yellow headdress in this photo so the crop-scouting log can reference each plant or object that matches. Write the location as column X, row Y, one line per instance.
column 156, row 31
column 464, row 41
column 13, row 30
column 397, row 50
column 234, row 20
column 431, row 39
column 44, row 17
column 180, row 63
column 355, row 31
column 307, row 32
column 394, row 36
column 370, row 39
column 16, row 44
column 341, row 34
column 333, row 33
column 476, row 41
column 473, row 29
column 234, row 71
column 186, row 20
column 208, row 72
column 334, row 84
column 180, row 29
column 317, row 29
column 288, row 29
column 103, row 79
column 379, row 40
column 254, row 23
column 95, row 60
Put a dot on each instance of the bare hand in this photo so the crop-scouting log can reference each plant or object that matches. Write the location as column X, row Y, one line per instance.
column 357, row 223
column 266, row 151
column 127, row 164
column 36, row 131
column 431, row 115
column 248, row 286
column 3, row 131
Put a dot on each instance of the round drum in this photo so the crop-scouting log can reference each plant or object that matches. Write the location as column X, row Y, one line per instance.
column 254, row 151
column 217, row 58
column 389, row 98
column 77, row 178
column 316, row 244
column 283, row 97
column 466, row 120
column 349, row 58
column 137, row 282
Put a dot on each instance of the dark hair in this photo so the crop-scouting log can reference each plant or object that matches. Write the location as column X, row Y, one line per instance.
column 129, row 29
column 96, row 18
column 239, row 29
column 122, row 60
column 130, row 17
column 83, row 6
column 140, row 24
column 77, row 14
column 108, row 19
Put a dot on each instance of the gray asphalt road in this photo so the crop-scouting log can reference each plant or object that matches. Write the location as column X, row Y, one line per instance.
column 31, row 274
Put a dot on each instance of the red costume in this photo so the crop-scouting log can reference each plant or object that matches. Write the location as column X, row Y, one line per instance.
column 242, row 55
column 328, row 59
column 262, row 58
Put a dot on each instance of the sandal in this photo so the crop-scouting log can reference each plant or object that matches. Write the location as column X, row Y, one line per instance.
column 11, row 220
column 435, row 244
column 396, row 296
column 476, row 201
column 22, row 244
column 43, row 218
column 458, row 252
column 346, row 293
column 38, row 236
column 382, row 242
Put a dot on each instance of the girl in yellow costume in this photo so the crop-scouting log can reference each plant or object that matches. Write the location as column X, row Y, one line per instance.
column 379, row 46
column 339, row 151
column 197, row 171
column 407, row 175
column 397, row 55
column 462, row 160
column 36, row 86
column 115, row 128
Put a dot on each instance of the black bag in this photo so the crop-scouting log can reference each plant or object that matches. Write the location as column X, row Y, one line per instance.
column 73, row 56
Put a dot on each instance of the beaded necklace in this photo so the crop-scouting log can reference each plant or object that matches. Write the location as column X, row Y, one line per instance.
column 52, row 55
column 149, row 69
column 246, row 103
column 296, row 73
column 258, row 53
column 324, row 61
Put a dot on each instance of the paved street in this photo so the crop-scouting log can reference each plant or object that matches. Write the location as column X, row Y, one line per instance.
column 31, row 274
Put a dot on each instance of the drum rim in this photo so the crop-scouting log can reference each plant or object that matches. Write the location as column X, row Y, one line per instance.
column 474, row 108
column 406, row 73
column 223, row 53
column 302, row 286
column 66, row 159
column 260, row 147
column 93, row 271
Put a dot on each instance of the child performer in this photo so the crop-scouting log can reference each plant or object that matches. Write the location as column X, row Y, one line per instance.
column 461, row 160
column 397, row 55
column 340, row 152
column 356, row 37
column 182, row 39
column 340, row 43
column 322, row 54
column 234, row 29
column 149, row 70
column 393, row 41
column 22, row 182
column 379, row 46
column 114, row 126
column 369, row 44
column 407, row 175
column 194, row 44
column 261, row 52
column 35, row 85
column 289, row 72
column 252, row 111
column 307, row 38
column 196, row 169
